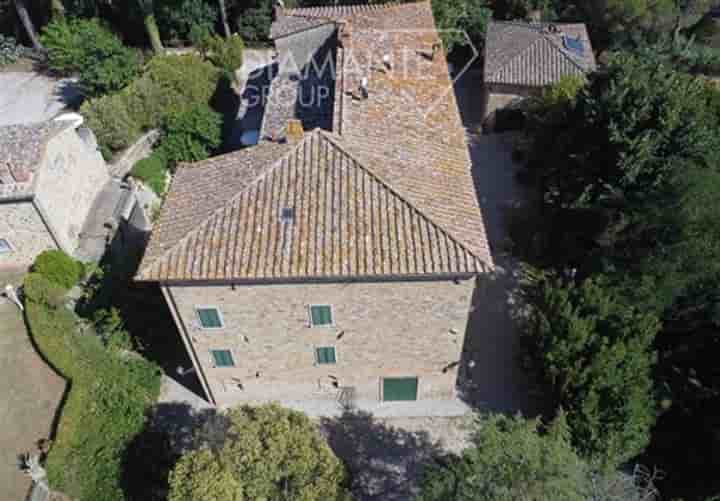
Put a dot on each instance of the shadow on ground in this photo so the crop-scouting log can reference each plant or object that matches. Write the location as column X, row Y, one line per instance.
column 385, row 462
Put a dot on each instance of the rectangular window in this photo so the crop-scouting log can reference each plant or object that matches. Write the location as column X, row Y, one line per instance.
column 400, row 389
column 320, row 315
column 325, row 355
column 223, row 358
column 209, row 318
column 5, row 246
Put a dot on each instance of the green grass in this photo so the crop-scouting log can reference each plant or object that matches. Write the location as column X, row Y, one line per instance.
column 110, row 393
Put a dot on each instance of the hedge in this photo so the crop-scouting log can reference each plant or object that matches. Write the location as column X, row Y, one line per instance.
column 59, row 268
column 152, row 171
column 110, row 394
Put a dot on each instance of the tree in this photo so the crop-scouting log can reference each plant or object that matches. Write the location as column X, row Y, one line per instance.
column 26, row 20
column 147, row 8
column 224, row 17
column 511, row 459
column 596, row 354
column 265, row 452
column 457, row 18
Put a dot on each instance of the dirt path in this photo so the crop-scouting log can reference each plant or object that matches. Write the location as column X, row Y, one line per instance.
column 29, row 395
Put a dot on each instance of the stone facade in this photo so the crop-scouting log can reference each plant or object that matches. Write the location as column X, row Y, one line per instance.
column 51, row 213
column 380, row 329
column 72, row 176
column 22, row 226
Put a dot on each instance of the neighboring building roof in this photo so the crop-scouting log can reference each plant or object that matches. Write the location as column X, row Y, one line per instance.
column 288, row 24
column 22, row 147
column 536, row 54
column 388, row 193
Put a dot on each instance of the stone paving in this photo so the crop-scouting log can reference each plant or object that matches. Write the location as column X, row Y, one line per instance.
column 29, row 396
column 27, row 97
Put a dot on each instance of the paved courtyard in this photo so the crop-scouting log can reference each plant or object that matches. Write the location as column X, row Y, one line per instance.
column 27, row 97
column 29, row 395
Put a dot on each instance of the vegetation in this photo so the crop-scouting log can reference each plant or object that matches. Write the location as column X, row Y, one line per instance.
column 191, row 135
column 265, row 452
column 169, row 86
column 185, row 19
column 110, row 392
column 456, row 18
column 626, row 172
column 10, row 51
column 153, row 171
column 225, row 53
column 92, row 51
column 58, row 268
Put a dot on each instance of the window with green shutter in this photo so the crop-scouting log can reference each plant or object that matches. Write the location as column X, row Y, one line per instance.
column 400, row 389
column 223, row 358
column 320, row 315
column 209, row 318
column 325, row 355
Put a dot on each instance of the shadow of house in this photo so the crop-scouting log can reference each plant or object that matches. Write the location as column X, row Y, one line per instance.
column 385, row 462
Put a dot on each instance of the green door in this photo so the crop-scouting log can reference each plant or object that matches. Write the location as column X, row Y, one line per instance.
column 400, row 389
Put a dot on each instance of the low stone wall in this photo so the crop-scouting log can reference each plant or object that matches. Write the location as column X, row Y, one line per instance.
column 142, row 148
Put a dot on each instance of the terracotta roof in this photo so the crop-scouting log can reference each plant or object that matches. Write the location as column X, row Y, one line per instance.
column 347, row 223
column 336, row 12
column 535, row 54
column 22, row 147
column 388, row 193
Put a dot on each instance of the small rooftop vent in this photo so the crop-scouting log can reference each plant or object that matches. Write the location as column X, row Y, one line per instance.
column 386, row 61
column 574, row 45
column 287, row 215
column 363, row 87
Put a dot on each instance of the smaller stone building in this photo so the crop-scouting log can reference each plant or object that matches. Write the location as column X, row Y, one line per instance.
column 521, row 59
column 50, row 175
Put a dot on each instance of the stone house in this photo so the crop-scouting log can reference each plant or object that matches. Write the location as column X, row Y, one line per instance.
column 336, row 260
column 50, row 175
column 521, row 59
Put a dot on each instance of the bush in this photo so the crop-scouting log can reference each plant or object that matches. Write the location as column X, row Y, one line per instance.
column 86, row 47
column 106, row 407
column 59, row 268
column 253, row 23
column 10, row 51
column 152, row 171
column 225, row 53
column 191, row 135
column 111, row 122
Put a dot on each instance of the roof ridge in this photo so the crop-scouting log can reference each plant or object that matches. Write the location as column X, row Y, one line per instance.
column 541, row 37
column 336, row 142
column 222, row 206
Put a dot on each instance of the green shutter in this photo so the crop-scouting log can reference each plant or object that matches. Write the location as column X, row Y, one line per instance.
column 209, row 318
column 223, row 358
column 400, row 389
column 321, row 315
column 325, row 355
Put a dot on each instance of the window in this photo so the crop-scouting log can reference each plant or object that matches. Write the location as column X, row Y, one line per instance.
column 320, row 315
column 287, row 215
column 223, row 358
column 400, row 389
column 325, row 355
column 5, row 246
column 210, row 318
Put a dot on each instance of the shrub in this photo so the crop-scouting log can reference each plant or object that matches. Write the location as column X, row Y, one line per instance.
column 58, row 268
column 254, row 22
column 225, row 53
column 110, row 120
column 191, row 135
column 152, row 171
column 86, row 47
column 106, row 407
column 10, row 51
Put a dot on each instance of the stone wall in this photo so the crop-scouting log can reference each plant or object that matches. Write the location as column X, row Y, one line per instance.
column 21, row 225
column 380, row 330
column 67, row 184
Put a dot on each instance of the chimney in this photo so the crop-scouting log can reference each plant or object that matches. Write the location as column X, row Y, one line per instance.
column 294, row 131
